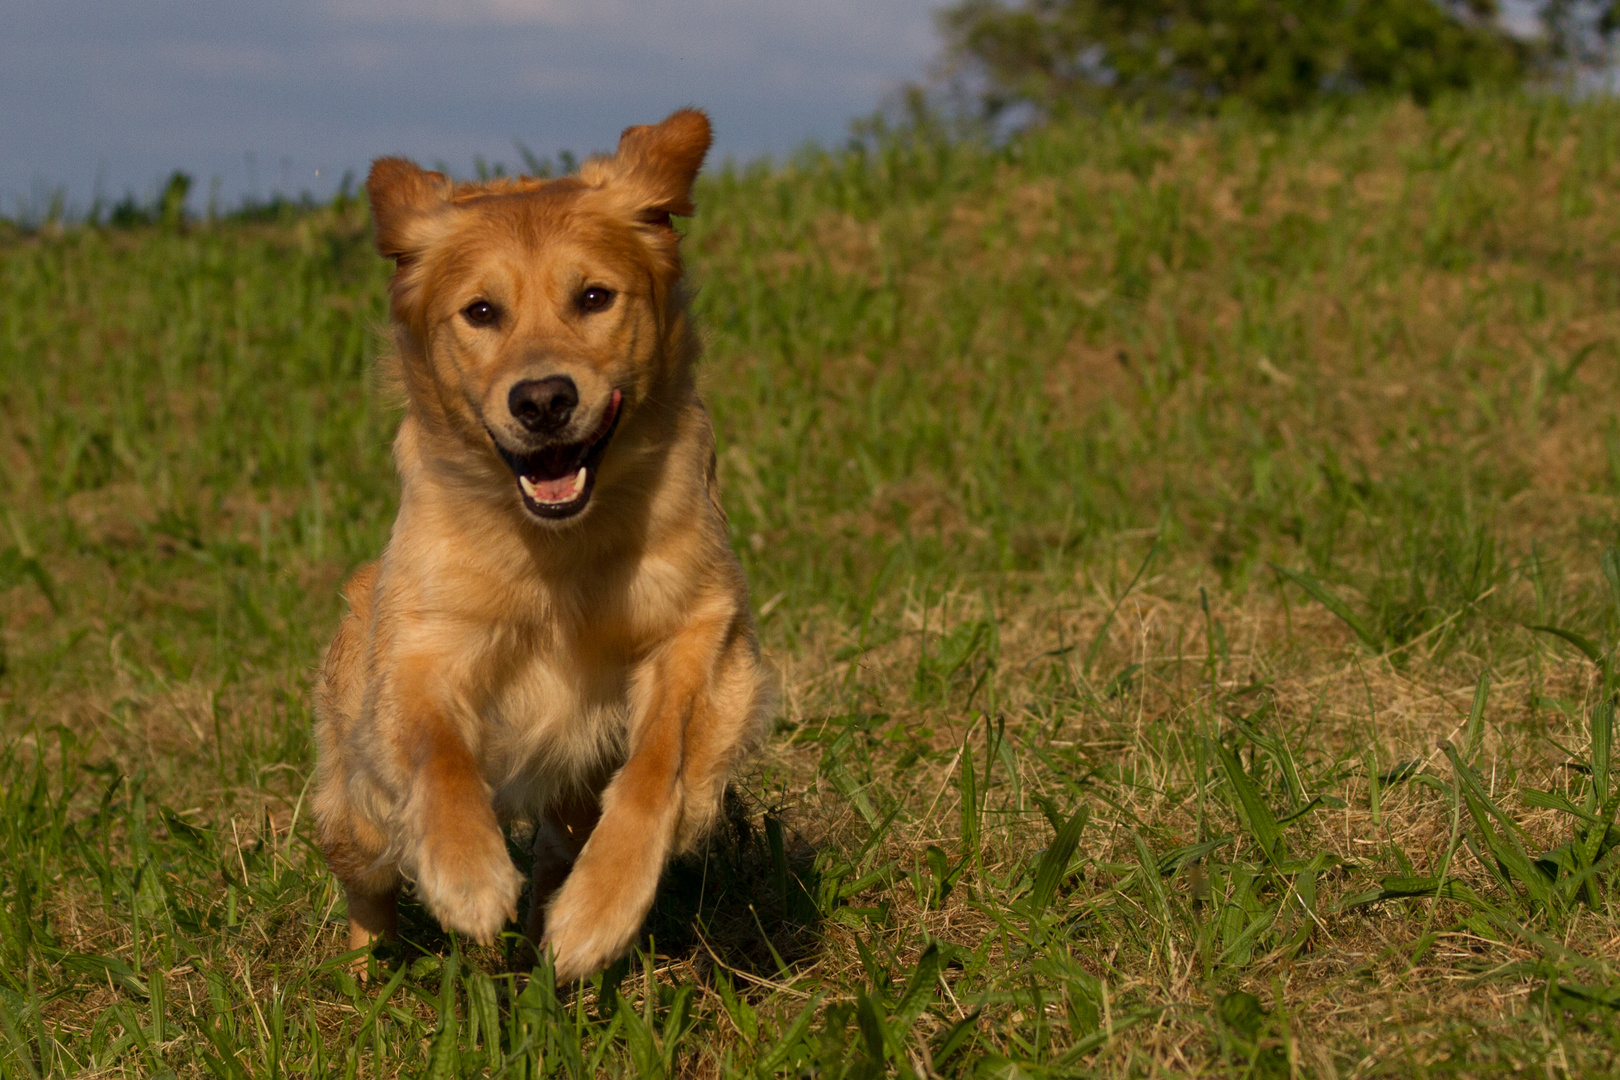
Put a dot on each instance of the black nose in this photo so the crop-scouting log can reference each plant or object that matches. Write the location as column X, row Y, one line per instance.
column 544, row 405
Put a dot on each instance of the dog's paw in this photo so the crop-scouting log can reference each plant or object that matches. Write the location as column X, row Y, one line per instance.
column 595, row 916
column 469, row 883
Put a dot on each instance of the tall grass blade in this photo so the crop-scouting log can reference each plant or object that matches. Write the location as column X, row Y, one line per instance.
column 1324, row 596
column 920, row 987
column 1174, row 860
column 792, row 1037
column 1476, row 716
column 1586, row 645
column 1055, row 861
column 956, row 1038
column 874, row 1029
column 1506, row 849
column 19, row 1048
column 1399, row 888
column 1257, row 816
column 1610, row 562
column 1152, row 883
column 1097, row 1039
column 1555, row 800
column 968, row 789
column 779, row 868
column 1602, row 749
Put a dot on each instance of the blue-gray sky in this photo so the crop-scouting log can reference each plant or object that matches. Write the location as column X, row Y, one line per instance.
column 128, row 90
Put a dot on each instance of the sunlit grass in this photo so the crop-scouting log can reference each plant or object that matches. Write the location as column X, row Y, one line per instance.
column 1151, row 525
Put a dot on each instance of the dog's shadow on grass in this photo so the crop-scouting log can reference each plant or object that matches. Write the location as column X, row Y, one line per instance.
column 745, row 899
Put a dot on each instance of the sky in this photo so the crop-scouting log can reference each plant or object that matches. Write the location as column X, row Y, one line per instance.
column 110, row 96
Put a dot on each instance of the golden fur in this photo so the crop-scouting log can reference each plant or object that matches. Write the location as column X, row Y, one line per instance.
column 597, row 675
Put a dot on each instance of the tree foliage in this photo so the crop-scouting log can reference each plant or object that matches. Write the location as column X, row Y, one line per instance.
column 1276, row 55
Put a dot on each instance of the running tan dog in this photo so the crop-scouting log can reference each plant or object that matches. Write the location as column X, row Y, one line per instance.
column 558, row 630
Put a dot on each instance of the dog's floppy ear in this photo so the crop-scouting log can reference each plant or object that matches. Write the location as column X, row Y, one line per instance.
column 404, row 200
column 650, row 177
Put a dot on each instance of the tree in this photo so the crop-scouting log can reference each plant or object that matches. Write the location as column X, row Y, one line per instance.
column 1579, row 32
column 1277, row 55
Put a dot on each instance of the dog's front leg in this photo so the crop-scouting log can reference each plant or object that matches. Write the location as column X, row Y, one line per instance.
column 453, row 844
column 595, row 915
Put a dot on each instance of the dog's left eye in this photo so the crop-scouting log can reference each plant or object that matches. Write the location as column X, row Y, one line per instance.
column 595, row 298
column 481, row 313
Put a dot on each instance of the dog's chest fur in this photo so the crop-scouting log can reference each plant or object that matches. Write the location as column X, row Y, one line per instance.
column 564, row 686
column 557, row 719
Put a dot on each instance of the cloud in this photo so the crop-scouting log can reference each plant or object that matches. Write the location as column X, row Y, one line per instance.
column 222, row 60
column 549, row 13
column 874, row 27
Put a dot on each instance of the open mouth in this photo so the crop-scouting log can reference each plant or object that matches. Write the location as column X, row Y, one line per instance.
column 556, row 481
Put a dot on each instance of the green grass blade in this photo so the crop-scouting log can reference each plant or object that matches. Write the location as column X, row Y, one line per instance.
column 1400, row 888
column 1049, row 871
column 1096, row 1039
column 1174, row 860
column 1476, row 716
column 779, row 869
column 380, row 1002
column 873, row 1027
column 1152, row 880
column 1324, row 596
column 968, row 789
column 1257, row 816
column 792, row 1037
column 920, row 987
column 956, row 1038
column 101, row 968
column 1610, row 561
column 1602, row 749
column 1553, row 800
column 1597, row 834
column 878, row 832
column 1548, row 945
column 14, row 1037
column 1586, row 645
column 1505, row 845
column 1594, row 868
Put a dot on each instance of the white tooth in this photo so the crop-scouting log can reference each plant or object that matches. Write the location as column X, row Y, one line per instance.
column 579, row 481
column 528, row 487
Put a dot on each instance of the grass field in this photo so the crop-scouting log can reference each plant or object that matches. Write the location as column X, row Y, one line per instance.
column 1149, row 524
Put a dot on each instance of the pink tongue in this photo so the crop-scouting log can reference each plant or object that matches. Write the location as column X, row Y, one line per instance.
column 554, row 490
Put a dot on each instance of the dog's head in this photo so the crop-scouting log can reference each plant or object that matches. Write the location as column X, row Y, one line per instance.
column 537, row 315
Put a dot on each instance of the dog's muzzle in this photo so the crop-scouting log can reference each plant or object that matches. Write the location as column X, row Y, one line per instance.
column 556, row 481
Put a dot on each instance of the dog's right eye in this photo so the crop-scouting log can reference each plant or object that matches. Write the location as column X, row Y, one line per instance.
column 481, row 313
column 594, row 299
